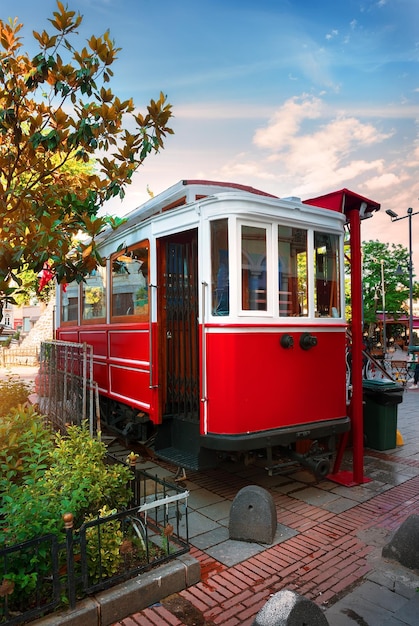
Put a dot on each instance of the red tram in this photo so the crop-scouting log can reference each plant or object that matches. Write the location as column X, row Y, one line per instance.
column 218, row 324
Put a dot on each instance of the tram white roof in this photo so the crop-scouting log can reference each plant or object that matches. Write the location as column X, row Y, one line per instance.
column 188, row 191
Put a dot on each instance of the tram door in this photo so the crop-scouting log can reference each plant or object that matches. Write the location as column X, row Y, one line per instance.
column 178, row 326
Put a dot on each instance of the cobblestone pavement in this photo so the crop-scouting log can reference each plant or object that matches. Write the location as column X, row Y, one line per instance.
column 327, row 546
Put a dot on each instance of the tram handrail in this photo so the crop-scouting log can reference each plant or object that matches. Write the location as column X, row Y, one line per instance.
column 203, row 346
column 150, row 338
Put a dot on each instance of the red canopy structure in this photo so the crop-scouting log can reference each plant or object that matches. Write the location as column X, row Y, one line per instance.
column 355, row 208
column 402, row 319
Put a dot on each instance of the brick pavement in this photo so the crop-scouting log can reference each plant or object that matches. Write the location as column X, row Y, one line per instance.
column 328, row 546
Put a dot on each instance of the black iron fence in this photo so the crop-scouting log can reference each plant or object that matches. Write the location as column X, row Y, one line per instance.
column 47, row 573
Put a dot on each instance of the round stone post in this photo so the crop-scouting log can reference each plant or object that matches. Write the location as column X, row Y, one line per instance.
column 288, row 608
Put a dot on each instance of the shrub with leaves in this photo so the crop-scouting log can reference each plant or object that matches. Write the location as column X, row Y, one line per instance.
column 103, row 545
column 41, row 479
column 70, row 476
column 13, row 391
column 25, row 446
column 79, row 479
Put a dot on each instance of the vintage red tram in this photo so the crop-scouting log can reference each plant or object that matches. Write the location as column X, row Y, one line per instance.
column 218, row 324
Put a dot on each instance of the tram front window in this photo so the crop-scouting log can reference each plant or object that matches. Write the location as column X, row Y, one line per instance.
column 292, row 271
column 254, row 293
column 326, row 275
column 220, row 296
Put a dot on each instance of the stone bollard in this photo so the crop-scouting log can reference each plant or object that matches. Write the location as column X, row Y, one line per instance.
column 253, row 516
column 287, row 608
column 404, row 545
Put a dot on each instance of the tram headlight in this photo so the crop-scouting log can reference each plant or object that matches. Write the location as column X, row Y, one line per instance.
column 287, row 341
column 307, row 341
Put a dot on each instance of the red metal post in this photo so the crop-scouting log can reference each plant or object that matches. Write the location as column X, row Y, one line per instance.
column 356, row 299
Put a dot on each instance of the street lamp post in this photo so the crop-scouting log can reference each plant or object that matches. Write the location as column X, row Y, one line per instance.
column 383, row 297
column 396, row 218
column 383, row 306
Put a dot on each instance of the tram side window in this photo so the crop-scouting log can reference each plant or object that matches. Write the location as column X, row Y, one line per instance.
column 94, row 296
column 220, row 296
column 130, row 284
column 326, row 268
column 70, row 303
column 292, row 271
column 254, row 294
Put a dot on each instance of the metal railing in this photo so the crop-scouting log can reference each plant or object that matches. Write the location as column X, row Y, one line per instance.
column 66, row 390
column 103, row 552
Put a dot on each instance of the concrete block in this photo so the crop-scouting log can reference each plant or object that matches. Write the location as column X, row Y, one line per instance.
column 192, row 569
column 140, row 592
column 287, row 608
column 253, row 516
column 404, row 545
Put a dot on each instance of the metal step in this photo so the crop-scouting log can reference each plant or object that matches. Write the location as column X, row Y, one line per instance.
column 184, row 458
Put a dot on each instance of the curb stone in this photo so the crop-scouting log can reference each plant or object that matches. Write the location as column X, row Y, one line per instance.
column 110, row 606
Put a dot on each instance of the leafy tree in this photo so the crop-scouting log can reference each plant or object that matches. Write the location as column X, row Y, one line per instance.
column 57, row 111
column 394, row 259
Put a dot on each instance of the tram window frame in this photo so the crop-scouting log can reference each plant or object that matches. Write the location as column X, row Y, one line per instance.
column 327, row 279
column 120, row 266
column 293, row 291
column 65, row 290
column 220, row 272
column 264, row 288
column 97, row 292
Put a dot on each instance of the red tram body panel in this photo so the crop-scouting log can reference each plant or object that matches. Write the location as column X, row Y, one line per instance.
column 218, row 324
column 291, row 388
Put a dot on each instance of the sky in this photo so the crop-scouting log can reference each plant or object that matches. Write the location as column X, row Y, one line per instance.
column 293, row 97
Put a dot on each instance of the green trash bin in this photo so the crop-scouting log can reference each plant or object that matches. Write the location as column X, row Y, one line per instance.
column 381, row 398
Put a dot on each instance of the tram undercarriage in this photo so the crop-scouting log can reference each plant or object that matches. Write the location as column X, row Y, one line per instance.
column 178, row 441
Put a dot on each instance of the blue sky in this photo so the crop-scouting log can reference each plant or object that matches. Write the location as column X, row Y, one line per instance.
column 295, row 97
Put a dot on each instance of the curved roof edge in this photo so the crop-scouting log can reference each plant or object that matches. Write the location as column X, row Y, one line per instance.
column 215, row 183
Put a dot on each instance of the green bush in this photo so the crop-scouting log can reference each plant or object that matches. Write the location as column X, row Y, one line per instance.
column 44, row 477
column 79, row 480
column 13, row 392
column 45, row 480
column 25, row 448
column 103, row 546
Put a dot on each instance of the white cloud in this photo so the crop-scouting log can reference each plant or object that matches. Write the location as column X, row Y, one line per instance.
column 307, row 149
column 285, row 123
column 381, row 182
column 332, row 34
column 304, row 148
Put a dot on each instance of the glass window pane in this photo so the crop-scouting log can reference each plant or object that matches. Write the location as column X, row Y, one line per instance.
column 130, row 283
column 70, row 302
column 292, row 271
column 94, row 295
column 326, row 275
column 254, row 282
column 220, row 297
